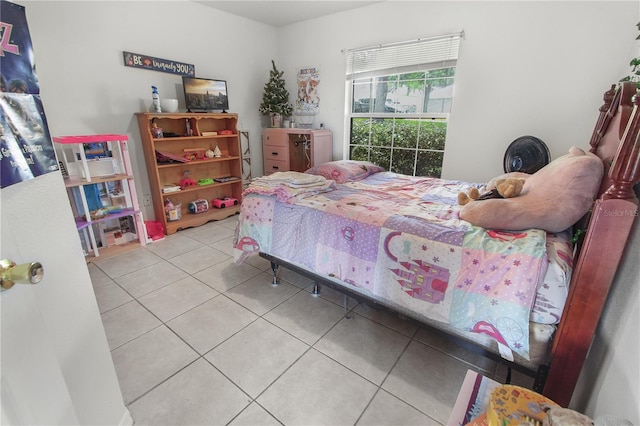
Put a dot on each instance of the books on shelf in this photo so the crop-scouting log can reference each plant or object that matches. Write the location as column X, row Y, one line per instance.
column 209, row 133
column 170, row 188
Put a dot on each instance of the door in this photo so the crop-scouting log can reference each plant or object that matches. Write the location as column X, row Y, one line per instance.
column 34, row 390
column 56, row 364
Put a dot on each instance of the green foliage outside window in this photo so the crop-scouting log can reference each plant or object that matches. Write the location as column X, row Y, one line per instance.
column 398, row 143
column 399, row 121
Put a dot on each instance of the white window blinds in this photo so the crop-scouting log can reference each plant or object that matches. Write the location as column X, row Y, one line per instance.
column 429, row 53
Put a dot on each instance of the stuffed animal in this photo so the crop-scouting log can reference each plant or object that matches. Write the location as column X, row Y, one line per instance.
column 553, row 198
column 558, row 416
column 500, row 188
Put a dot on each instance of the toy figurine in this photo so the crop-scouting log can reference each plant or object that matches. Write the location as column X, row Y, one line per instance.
column 186, row 181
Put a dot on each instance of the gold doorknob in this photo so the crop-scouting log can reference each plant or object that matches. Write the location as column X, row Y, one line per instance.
column 26, row 273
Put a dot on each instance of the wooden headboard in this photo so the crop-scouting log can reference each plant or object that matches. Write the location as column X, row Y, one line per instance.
column 616, row 141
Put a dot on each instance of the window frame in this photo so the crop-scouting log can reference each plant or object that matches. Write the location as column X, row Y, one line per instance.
column 420, row 117
column 396, row 59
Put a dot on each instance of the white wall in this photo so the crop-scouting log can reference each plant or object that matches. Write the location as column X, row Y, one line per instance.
column 86, row 89
column 536, row 68
column 525, row 68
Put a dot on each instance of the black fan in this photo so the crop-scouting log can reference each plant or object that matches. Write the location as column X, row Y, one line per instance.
column 527, row 154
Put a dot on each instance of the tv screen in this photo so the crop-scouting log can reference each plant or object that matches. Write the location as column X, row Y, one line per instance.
column 204, row 94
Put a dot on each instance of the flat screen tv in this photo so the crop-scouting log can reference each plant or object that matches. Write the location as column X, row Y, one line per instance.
column 205, row 94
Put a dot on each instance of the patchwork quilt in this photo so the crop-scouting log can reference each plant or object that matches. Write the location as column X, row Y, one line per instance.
column 401, row 238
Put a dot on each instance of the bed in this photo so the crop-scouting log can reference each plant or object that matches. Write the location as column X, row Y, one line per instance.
column 404, row 243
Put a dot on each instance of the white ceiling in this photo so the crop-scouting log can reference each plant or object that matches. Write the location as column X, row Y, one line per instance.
column 280, row 13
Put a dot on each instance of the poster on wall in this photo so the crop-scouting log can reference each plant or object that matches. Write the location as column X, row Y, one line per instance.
column 308, row 98
column 26, row 148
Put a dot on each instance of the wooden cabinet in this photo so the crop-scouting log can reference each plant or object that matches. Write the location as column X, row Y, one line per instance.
column 295, row 149
column 101, row 191
column 185, row 172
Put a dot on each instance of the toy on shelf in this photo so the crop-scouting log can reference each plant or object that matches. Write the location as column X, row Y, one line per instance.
column 198, row 206
column 186, row 182
column 223, row 179
column 191, row 154
column 205, row 181
column 173, row 212
column 168, row 188
column 223, row 202
column 156, row 131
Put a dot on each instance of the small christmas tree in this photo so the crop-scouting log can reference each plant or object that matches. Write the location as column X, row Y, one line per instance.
column 275, row 99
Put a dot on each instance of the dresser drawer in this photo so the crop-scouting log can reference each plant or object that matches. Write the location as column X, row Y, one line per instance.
column 280, row 153
column 275, row 137
column 272, row 166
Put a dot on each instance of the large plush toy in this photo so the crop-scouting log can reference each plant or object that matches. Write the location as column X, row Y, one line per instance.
column 502, row 187
column 553, row 198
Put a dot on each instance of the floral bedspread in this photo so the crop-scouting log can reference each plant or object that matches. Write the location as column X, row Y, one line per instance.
column 401, row 238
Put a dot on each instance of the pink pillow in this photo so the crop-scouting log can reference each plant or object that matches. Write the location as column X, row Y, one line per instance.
column 553, row 198
column 343, row 171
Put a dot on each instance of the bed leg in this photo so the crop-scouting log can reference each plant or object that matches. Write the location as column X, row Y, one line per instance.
column 541, row 378
column 344, row 303
column 276, row 277
column 316, row 289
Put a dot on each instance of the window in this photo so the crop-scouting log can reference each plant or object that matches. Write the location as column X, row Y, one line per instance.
column 400, row 99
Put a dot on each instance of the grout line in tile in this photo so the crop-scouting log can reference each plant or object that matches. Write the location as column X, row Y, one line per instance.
column 134, row 338
column 138, row 297
column 364, row 410
column 160, row 383
column 255, row 401
column 228, row 378
column 487, row 373
column 411, row 340
column 284, row 372
column 350, row 311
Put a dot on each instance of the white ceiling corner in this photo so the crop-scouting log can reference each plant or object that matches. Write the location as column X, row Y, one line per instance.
column 281, row 13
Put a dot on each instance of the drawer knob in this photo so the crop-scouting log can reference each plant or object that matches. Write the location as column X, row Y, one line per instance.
column 274, row 153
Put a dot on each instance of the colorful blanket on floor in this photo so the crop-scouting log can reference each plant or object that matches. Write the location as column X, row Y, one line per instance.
column 401, row 238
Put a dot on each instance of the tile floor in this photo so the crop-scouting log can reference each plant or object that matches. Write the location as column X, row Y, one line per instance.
column 196, row 339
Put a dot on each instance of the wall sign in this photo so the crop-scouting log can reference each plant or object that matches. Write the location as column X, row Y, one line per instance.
column 26, row 149
column 146, row 62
